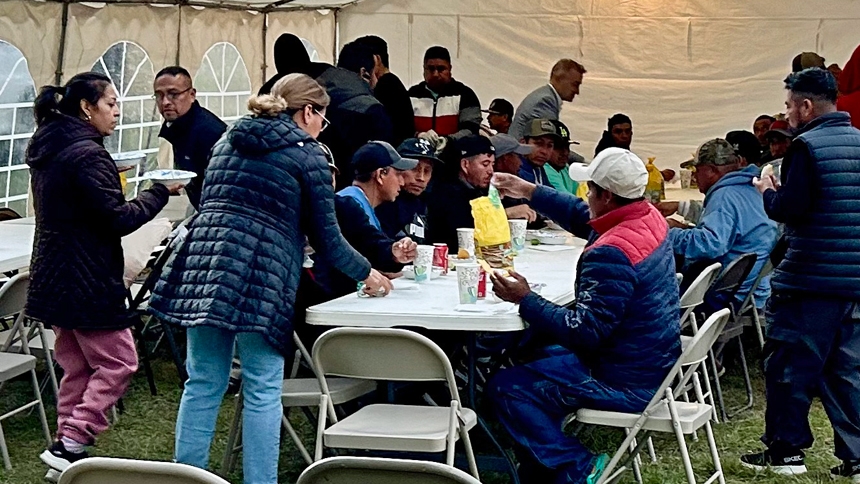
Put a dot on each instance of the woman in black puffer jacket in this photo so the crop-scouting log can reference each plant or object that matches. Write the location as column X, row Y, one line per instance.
column 76, row 270
column 235, row 278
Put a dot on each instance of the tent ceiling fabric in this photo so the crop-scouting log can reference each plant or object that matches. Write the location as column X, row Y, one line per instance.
column 684, row 70
column 254, row 5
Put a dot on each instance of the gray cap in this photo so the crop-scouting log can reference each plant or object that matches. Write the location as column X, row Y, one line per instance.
column 505, row 143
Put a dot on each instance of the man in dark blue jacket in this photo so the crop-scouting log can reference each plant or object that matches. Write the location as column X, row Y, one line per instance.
column 190, row 128
column 623, row 334
column 813, row 333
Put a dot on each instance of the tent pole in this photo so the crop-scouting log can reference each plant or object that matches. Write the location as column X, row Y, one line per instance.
column 265, row 33
column 178, row 33
column 336, row 36
column 61, row 54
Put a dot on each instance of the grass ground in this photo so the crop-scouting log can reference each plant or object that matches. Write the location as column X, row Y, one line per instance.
column 145, row 431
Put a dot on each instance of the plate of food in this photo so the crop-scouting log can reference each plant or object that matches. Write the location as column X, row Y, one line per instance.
column 546, row 237
column 128, row 160
column 169, row 177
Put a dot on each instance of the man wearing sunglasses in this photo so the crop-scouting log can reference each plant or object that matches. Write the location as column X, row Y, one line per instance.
column 445, row 109
column 190, row 128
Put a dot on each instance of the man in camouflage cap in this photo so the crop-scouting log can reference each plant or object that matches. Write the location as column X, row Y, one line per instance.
column 733, row 221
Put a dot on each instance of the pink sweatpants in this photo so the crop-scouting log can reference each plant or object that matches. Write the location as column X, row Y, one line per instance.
column 97, row 366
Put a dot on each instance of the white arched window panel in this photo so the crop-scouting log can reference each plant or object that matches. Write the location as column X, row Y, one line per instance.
column 17, row 124
column 222, row 82
column 312, row 51
column 130, row 70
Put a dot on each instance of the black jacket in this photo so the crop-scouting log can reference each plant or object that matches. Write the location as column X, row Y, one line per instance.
column 404, row 217
column 81, row 216
column 193, row 135
column 448, row 209
column 356, row 118
column 364, row 238
column 267, row 189
column 393, row 95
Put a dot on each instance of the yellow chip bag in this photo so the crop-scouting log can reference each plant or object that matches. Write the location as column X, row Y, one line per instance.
column 492, row 234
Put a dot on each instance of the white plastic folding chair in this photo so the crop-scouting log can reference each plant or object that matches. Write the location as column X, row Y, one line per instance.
column 104, row 470
column 296, row 393
column 693, row 297
column 664, row 413
column 392, row 355
column 356, row 470
column 13, row 365
column 32, row 336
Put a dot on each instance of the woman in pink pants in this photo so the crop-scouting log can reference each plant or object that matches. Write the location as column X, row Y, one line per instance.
column 76, row 271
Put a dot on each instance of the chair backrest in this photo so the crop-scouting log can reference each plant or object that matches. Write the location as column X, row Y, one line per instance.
column 750, row 301
column 103, row 470
column 694, row 354
column 695, row 294
column 733, row 277
column 361, row 470
column 13, row 295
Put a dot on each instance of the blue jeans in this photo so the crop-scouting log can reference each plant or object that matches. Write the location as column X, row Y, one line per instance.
column 532, row 400
column 210, row 354
column 812, row 348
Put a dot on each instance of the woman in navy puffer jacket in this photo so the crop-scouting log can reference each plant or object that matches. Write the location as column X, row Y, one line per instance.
column 235, row 278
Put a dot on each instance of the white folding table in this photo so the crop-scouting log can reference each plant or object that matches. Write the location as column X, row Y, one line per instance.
column 16, row 243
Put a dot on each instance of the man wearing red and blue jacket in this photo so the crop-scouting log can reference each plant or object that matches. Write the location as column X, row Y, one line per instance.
column 621, row 336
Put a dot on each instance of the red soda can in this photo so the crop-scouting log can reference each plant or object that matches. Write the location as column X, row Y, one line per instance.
column 440, row 257
column 482, row 283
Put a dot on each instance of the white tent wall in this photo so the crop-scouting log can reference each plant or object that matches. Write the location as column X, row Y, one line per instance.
column 683, row 70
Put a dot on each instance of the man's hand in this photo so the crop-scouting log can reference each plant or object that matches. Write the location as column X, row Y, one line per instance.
column 513, row 186
column 404, row 250
column 765, row 183
column 521, row 212
column 675, row 224
column 174, row 188
column 667, row 208
column 376, row 284
column 508, row 290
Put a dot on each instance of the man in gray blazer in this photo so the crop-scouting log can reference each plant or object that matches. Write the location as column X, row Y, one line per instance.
column 545, row 101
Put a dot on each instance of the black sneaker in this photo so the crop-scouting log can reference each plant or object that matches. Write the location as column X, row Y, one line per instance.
column 783, row 464
column 57, row 457
column 848, row 469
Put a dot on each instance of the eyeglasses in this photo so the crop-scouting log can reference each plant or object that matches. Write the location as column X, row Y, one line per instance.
column 171, row 96
column 325, row 122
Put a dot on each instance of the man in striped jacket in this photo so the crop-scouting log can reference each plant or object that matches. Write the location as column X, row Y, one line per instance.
column 443, row 107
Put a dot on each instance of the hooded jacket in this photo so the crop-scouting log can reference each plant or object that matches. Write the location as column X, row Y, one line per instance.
column 81, row 216
column 356, row 118
column 733, row 223
column 268, row 186
column 849, row 88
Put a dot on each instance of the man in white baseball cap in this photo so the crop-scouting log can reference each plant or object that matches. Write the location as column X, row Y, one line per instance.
column 622, row 335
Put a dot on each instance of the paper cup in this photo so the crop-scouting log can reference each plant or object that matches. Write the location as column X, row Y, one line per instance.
column 686, row 175
column 467, row 282
column 466, row 241
column 518, row 234
column 423, row 263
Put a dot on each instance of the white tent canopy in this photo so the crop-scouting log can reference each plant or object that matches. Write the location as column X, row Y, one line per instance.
column 683, row 70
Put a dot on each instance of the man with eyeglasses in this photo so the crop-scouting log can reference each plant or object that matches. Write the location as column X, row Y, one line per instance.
column 445, row 109
column 190, row 128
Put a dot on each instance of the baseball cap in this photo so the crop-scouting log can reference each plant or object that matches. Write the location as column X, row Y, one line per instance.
column 562, row 132
column 505, row 143
column 418, row 148
column 714, row 152
column 474, row 145
column 500, row 106
column 746, row 144
column 379, row 154
column 779, row 127
column 616, row 170
column 805, row 60
column 541, row 127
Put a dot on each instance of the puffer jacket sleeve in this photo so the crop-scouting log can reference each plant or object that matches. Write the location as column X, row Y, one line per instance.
column 101, row 192
column 320, row 221
column 565, row 209
column 605, row 288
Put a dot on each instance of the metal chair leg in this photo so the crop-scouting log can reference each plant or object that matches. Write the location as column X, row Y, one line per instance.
column 717, row 387
column 229, row 460
column 747, row 382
